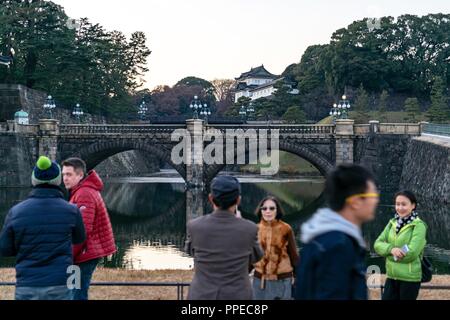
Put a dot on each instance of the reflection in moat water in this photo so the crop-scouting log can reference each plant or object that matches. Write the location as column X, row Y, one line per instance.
column 151, row 219
column 156, row 256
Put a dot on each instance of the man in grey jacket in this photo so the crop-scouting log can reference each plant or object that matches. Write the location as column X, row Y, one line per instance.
column 224, row 247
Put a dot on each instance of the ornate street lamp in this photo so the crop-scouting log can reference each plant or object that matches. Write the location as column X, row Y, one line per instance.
column 206, row 112
column 340, row 110
column 49, row 105
column 250, row 109
column 7, row 60
column 77, row 112
column 344, row 105
column 196, row 106
column 142, row 112
column 245, row 112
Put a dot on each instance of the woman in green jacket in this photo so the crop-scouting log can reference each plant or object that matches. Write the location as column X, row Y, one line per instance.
column 402, row 243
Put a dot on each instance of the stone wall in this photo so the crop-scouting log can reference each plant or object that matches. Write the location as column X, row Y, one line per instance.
column 16, row 159
column 426, row 169
column 128, row 163
column 18, row 154
column 16, row 97
column 384, row 156
column 344, row 150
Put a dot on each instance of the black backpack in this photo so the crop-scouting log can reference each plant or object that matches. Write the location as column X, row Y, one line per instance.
column 427, row 269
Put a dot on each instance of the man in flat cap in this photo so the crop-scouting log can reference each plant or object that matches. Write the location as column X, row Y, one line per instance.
column 223, row 247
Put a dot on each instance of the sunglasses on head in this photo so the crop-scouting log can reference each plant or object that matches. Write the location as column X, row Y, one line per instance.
column 268, row 208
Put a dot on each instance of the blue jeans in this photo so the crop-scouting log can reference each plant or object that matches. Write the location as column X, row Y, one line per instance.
column 273, row 290
column 43, row 293
column 87, row 269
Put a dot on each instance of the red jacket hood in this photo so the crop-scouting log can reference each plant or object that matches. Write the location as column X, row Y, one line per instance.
column 92, row 180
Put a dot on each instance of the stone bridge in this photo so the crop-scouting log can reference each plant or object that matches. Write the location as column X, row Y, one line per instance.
column 377, row 145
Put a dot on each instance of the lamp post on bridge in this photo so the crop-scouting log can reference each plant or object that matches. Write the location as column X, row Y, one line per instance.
column 340, row 110
column 142, row 112
column 78, row 112
column 246, row 111
column 206, row 112
column 196, row 106
column 49, row 105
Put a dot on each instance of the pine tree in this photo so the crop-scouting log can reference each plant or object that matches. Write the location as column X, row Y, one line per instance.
column 382, row 106
column 412, row 109
column 439, row 111
column 361, row 105
column 294, row 114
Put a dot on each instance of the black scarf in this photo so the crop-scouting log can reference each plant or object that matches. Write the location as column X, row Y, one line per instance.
column 401, row 222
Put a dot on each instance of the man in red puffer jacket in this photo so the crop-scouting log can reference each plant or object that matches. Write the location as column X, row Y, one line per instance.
column 85, row 193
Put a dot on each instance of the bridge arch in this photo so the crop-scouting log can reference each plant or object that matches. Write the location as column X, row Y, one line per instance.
column 99, row 151
column 318, row 160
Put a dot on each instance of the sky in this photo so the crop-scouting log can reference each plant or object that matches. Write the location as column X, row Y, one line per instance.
column 214, row 39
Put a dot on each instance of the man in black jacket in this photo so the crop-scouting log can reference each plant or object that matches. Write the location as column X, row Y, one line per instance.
column 40, row 232
column 332, row 265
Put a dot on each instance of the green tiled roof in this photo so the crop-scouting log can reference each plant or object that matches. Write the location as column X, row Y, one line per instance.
column 21, row 114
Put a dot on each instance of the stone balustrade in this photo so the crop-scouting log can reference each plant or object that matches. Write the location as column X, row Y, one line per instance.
column 100, row 129
column 399, row 128
column 361, row 129
column 283, row 128
column 341, row 127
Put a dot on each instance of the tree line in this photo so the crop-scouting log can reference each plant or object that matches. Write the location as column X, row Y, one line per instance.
column 401, row 65
column 75, row 61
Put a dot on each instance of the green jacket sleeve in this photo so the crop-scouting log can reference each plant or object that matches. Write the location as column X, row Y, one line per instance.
column 417, row 243
column 382, row 246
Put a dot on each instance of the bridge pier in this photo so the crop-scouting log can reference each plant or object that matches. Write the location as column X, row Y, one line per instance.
column 194, row 169
column 48, row 137
column 344, row 141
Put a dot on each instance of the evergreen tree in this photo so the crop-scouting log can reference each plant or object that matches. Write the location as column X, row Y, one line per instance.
column 361, row 105
column 236, row 107
column 382, row 106
column 412, row 109
column 294, row 114
column 439, row 110
column 74, row 62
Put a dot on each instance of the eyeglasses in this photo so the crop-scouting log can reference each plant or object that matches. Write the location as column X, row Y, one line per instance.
column 363, row 195
column 268, row 208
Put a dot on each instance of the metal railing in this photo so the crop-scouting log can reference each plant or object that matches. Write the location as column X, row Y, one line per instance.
column 180, row 285
column 437, row 129
column 422, row 287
